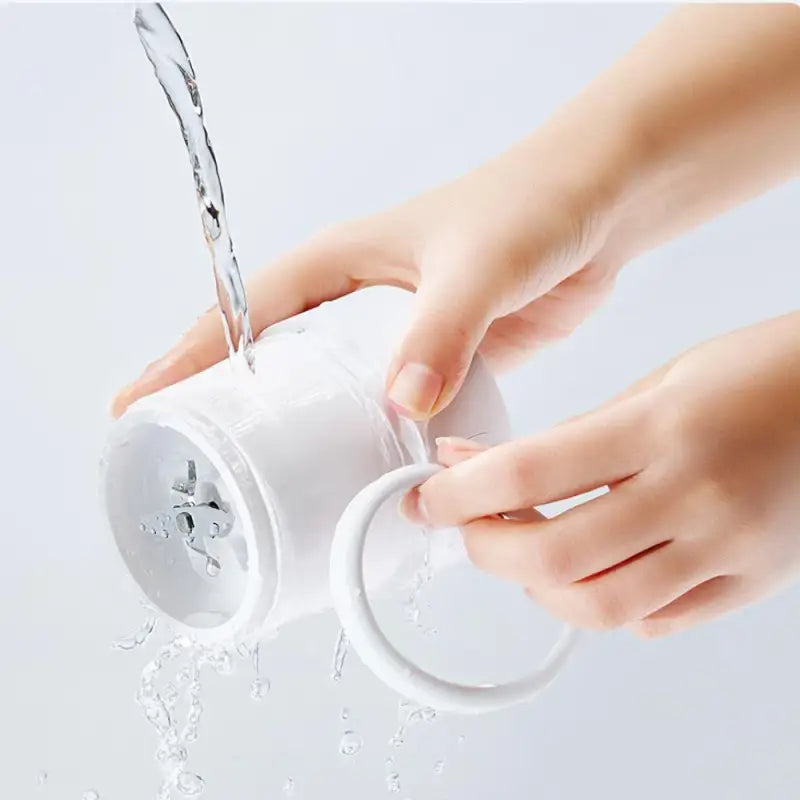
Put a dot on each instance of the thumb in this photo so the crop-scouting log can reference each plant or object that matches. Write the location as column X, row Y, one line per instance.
column 448, row 323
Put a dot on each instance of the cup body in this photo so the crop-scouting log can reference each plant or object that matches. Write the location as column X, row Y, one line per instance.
column 280, row 453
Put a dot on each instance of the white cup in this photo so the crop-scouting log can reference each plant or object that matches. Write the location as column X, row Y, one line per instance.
column 269, row 462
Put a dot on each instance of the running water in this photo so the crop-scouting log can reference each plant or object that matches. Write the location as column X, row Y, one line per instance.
column 175, row 73
column 161, row 700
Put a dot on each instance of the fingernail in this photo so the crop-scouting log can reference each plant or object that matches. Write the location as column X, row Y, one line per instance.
column 412, row 507
column 415, row 389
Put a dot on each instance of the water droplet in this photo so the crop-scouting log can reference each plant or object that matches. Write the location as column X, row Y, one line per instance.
column 259, row 688
column 288, row 787
column 339, row 655
column 41, row 778
column 223, row 663
column 176, row 757
column 91, row 795
column 170, row 695
column 214, row 529
column 345, row 713
column 139, row 638
column 350, row 743
column 189, row 784
column 461, row 738
column 438, row 767
column 213, row 566
column 393, row 782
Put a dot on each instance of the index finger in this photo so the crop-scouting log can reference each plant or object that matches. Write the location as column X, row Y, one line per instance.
column 591, row 451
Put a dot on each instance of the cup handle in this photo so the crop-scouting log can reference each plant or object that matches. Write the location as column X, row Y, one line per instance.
column 352, row 605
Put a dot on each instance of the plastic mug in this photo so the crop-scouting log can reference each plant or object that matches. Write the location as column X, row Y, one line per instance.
column 223, row 492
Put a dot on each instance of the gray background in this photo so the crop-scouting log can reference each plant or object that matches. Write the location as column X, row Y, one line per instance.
column 318, row 114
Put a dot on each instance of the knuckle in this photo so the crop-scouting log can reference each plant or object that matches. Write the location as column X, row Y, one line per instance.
column 439, row 501
column 553, row 561
column 606, row 611
column 516, row 478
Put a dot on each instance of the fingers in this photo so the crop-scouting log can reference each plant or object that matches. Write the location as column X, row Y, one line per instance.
column 329, row 266
column 595, row 450
column 705, row 602
column 581, row 542
column 450, row 318
column 452, row 450
column 631, row 591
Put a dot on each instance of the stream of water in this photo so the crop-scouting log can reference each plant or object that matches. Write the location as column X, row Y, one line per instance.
column 175, row 73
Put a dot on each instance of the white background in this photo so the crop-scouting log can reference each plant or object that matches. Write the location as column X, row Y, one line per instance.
column 318, row 114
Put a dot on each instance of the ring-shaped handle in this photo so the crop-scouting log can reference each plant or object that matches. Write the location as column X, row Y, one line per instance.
column 355, row 614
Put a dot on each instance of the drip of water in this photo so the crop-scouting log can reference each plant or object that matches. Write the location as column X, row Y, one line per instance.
column 288, row 787
column 339, row 656
column 260, row 686
column 173, row 68
column 41, row 778
column 421, row 578
column 410, row 715
column 392, row 776
column 350, row 743
column 345, row 713
column 438, row 767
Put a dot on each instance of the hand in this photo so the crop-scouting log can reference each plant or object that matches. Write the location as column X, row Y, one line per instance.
column 702, row 461
column 506, row 258
column 518, row 252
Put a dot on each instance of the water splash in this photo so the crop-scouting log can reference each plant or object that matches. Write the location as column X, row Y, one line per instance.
column 339, row 656
column 409, row 715
column 138, row 638
column 160, row 706
column 189, row 784
column 173, row 68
